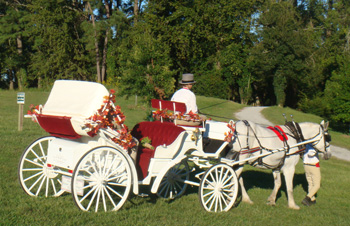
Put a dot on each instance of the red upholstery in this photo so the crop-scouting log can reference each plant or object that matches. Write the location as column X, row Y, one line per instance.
column 159, row 133
column 166, row 104
column 58, row 126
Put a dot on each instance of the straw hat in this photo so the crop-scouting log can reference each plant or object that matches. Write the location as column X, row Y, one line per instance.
column 187, row 79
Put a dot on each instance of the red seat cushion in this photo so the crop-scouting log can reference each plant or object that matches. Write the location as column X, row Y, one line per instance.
column 160, row 133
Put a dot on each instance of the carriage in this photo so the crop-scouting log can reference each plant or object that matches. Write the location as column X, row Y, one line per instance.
column 92, row 154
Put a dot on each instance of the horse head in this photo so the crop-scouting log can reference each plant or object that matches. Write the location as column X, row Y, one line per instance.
column 320, row 136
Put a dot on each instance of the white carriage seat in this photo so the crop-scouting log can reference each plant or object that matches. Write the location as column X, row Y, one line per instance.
column 74, row 101
column 216, row 130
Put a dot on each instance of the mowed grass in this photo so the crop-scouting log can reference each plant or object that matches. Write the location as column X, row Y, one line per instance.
column 17, row 208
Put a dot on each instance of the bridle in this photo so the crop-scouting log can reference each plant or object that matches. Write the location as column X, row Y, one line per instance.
column 327, row 138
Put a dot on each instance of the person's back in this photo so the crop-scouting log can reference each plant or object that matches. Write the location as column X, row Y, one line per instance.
column 185, row 95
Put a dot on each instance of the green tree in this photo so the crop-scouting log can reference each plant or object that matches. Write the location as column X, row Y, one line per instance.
column 59, row 50
column 14, row 54
column 207, row 38
column 145, row 65
column 282, row 52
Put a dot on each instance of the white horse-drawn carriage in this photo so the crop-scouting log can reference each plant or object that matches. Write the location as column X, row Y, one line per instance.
column 91, row 153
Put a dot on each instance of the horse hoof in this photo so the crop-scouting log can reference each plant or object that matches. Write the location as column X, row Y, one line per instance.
column 248, row 201
column 295, row 207
column 270, row 203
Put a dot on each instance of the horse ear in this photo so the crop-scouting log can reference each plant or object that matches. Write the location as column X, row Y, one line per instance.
column 322, row 123
column 326, row 125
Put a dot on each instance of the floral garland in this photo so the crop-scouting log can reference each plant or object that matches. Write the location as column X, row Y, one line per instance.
column 230, row 134
column 33, row 109
column 166, row 115
column 110, row 116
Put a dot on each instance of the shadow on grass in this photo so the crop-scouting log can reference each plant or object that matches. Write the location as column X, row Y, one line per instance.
column 264, row 180
column 252, row 179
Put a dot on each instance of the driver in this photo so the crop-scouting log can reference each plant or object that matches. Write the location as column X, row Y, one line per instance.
column 185, row 95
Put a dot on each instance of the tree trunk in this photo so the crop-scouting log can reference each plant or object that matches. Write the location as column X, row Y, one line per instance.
column 136, row 10
column 99, row 79
column 105, row 45
column 20, row 73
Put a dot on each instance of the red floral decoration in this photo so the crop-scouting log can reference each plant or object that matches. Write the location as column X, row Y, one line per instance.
column 110, row 116
column 229, row 135
column 33, row 109
column 169, row 116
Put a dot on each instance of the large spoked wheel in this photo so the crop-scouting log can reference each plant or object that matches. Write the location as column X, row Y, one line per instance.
column 173, row 183
column 36, row 177
column 218, row 188
column 102, row 180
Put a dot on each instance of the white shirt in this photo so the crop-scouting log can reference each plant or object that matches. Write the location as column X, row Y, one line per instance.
column 187, row 97
column 310, row 155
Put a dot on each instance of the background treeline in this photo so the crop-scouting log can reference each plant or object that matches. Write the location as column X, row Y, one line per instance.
column 293, row 53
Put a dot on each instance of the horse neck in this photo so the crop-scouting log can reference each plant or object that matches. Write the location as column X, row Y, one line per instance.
column 309, row 129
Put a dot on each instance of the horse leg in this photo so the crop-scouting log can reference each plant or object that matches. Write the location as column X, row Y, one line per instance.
column 288, row 176
column 277, row 184
column 245, row 196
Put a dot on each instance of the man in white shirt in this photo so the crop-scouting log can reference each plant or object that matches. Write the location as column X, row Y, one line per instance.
column 185, row 95
column 312, row 173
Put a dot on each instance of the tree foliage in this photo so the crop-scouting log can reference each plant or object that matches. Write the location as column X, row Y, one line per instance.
column 286, row 53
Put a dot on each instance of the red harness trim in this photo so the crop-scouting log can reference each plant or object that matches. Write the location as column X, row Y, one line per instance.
column 250, row 151
column 278, row 130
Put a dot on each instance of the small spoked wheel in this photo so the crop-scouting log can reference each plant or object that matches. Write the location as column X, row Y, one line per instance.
column 173, row 183
column 36, row 177
column 102, row 180
column 218, row 188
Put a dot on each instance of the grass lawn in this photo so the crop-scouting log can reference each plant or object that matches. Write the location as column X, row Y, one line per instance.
column 17, row 208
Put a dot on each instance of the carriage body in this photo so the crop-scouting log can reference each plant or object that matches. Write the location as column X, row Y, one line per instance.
column 95, row 168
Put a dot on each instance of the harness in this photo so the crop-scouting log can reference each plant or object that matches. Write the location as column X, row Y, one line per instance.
column 297, row 134
column 278, row 130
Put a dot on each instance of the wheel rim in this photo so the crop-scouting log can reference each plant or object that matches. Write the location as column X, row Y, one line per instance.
column 173, row 183
column 218, row 188
column 101, row 180
column 36, row 177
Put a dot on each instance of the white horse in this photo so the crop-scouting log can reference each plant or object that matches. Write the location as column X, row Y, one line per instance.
column 251, row 140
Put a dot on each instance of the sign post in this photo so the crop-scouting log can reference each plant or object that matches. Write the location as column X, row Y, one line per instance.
column 20, row 102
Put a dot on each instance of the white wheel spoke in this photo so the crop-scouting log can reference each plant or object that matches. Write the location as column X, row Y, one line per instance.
column 115, row 192
column 35, row 163
column 116, row 184
column 33, row 185
column 53, row 186
column 92, row 198
column 118, row 176
column 98, row 198
column 41, row 184
column 32, row 169
column 42, row 151
column 109, row 197
column 87, row 194
column 37, row 157
column 47, row 187
column 35, row 175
